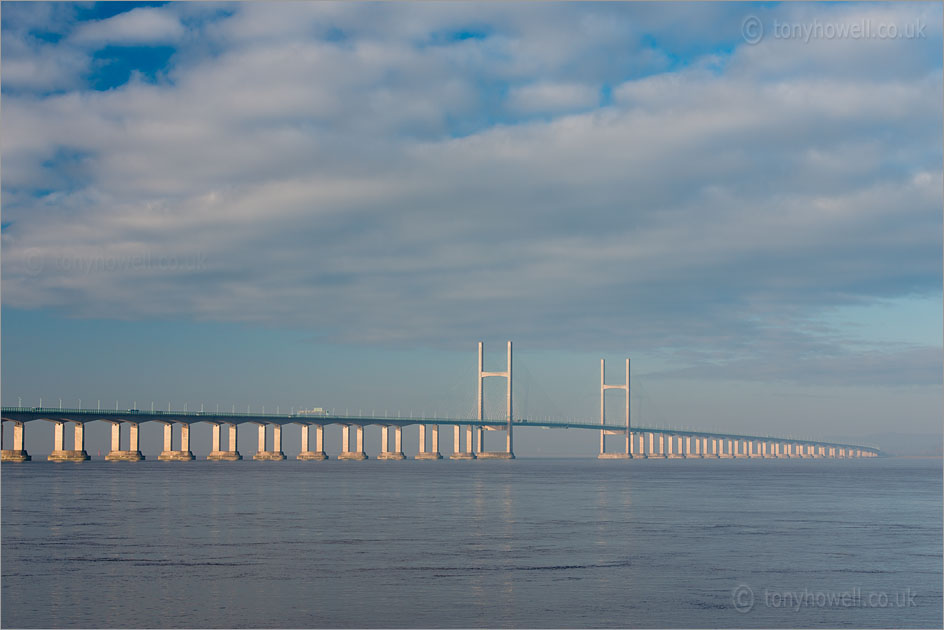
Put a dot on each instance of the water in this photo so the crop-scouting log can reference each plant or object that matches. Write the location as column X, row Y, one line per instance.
column 528, row 543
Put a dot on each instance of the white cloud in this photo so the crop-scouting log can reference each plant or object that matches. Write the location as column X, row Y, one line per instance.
column 356, row 185
column 551, row 98
column 142, row 26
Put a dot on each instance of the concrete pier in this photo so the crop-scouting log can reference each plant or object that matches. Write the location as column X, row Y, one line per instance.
column 639, row 446
column 18, row 452
column 753, row 449
column 713, row 452
column 169, row 454
column 656, row 453
column 133, row 453
column 457, row 452
column 386, row 453
column 433, row 453
column 263, row 453
column 318, row 453
column 740, row 449
column 346, row 452
column 76, row 454
column 495, row 455
column 672, row 448
column 217, row 454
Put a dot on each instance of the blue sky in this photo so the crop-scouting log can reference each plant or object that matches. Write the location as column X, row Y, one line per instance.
column 330, row 204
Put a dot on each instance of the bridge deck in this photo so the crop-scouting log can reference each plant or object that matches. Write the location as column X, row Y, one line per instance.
column 27, row 414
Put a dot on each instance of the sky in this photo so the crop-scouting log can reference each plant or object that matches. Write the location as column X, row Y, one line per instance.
column 321, row 204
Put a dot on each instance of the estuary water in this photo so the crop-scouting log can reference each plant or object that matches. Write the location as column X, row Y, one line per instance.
column 526, row 543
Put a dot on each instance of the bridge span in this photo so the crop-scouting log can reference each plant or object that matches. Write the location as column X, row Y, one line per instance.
column 637, row 442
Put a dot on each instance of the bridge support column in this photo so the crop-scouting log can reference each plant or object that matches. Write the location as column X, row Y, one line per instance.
column 674, row 447
column 687, row 452
column 232, row 448
column 318, row 454
column 385, row 452
column 753, row 449
column 651, row 450
column 169, row 454
column 359, row 454
column 276, row 453
column 457, row 452
column 217, row 454
column 660, row 452
column 434, row 452
column 77, row 453
column 118, row 455
column 18, row 452
column 714, row 454
column 707, row 451
column 740, row 449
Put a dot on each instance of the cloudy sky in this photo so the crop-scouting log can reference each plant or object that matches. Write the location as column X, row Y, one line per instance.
column 326, row 204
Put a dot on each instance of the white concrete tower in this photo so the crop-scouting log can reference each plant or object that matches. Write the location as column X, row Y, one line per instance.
column 603, row 433
column 509, row 452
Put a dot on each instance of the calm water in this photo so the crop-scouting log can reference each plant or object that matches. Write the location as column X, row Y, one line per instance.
column 529, row 543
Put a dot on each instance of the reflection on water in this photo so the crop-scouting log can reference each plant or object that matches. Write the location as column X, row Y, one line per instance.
column 548, row 543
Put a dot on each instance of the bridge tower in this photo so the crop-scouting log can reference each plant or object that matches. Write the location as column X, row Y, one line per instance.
column 603, row 432
column 480, row 409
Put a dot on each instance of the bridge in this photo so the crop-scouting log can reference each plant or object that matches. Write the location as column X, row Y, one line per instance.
column 637, row 442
